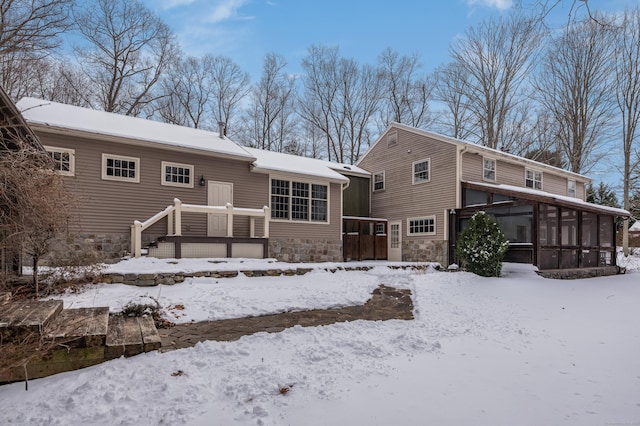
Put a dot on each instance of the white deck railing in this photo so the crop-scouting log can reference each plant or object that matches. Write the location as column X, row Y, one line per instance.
column 174, row 220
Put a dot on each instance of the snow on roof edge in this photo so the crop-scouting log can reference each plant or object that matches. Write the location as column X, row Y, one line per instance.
column 565, row 198
column 62, row 116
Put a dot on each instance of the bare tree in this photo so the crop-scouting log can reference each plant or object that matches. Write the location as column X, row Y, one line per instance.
column 627, row 89
column 33, row 202
column 32, row 26
column 340, row 98
column 497, row 57
column 188, row 93
column 269, row 120
column 230, row 86
column 127, row 49
column 450, row 89
column 542, row 141
column 62, row 82
column 406, row 93
column 574, row 85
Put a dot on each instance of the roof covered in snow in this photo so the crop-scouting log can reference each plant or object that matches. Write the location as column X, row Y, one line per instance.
column 60, row 116
column 477, row 148
column 270, row 161
column 635, row 227
column 553, row 198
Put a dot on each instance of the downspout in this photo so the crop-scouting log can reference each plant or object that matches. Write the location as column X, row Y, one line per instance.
column 460, row 152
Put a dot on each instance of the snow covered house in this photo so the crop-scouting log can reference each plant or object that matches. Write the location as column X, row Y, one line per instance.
column 428, row 186
column 181, row 192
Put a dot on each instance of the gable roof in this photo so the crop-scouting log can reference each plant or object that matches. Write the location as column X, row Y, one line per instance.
column 635, row 227
column 478, row 149
column 61, row 117
column 271, row 161
column 14, row 126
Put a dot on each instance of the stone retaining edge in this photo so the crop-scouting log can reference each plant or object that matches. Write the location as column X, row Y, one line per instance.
column 171, row 278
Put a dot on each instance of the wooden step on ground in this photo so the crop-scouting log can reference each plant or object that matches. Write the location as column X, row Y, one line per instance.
column 21, row 318
column 80, row 327
column 70, row 339
column 130, row 336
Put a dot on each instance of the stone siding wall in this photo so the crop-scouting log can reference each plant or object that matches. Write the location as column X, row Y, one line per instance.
column 425, row 251
column 302, row 250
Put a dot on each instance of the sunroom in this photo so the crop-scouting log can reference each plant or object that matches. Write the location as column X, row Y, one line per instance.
column 547, row 230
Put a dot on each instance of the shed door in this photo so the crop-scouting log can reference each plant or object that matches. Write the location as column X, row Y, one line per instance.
column 220, row 193
column 395, row 241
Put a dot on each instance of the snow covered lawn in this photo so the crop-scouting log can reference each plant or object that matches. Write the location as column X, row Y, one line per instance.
column 515, row 350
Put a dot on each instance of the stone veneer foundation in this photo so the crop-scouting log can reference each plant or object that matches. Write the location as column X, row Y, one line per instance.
column 112, row 247
column 424, row 251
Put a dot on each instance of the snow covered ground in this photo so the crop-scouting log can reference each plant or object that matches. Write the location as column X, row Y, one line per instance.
column 518, row 349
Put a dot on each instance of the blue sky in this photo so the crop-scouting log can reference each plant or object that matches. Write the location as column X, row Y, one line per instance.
column 246, row 30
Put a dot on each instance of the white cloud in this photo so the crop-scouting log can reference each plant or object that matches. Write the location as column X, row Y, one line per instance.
column 227, row 9
column 498, row 4
column 170, row 4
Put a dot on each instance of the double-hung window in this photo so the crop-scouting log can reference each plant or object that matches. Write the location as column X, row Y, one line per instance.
column 378, row 181
column 119, row 167
column 571, row 188
column 533, row 179
column 489, row 169
column 299, row 201
column 64, row 160
column 421, row 171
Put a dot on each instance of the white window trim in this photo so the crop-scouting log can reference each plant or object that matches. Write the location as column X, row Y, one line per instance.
column 575, row 188
column 409, row 233
column 384, row 181
column 176, row 184
column 413, row 171
column 120, row 178
column 495, row 169
column 72, row 159
column 310, row 182
column 534, row 180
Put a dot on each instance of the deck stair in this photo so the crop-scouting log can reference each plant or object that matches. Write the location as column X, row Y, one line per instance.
column 53, row 340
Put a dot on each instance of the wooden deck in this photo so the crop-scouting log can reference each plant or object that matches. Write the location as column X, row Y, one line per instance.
column 40, row 338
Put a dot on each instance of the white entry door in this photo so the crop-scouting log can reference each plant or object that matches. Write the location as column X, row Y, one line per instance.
column 395, row 241
column 220, row 193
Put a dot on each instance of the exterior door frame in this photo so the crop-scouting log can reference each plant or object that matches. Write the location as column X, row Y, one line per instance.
column 217, row 223
column 395, row 230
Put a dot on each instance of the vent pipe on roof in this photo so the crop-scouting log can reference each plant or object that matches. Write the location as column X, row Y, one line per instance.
column 222, row 129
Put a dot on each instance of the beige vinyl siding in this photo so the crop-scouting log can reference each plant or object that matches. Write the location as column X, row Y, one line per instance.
column 308, row 229
column 513, row 173
column 506, row 173
column 580, row 191
column 554, row 184
column 401, row 199
column 104, row 206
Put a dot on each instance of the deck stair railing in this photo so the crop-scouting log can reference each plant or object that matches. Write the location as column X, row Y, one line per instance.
column 174, row 212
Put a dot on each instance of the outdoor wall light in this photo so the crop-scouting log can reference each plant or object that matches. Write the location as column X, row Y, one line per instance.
column 202, row 181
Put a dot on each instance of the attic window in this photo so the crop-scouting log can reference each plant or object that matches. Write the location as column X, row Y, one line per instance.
column 392, row 138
